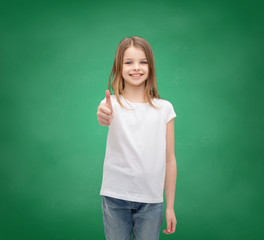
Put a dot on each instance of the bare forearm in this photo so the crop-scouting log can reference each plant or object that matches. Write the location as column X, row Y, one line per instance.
column 170, row 183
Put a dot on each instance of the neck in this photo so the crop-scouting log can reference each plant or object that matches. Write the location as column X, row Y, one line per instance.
column 134, row 94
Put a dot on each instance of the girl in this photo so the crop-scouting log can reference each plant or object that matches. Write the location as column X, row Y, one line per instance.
column 139, row 158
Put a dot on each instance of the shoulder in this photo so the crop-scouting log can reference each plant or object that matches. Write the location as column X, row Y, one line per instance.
column 113, row 97
column 163, row 102
column 168, row 109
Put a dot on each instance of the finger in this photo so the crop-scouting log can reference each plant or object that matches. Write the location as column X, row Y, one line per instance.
column 104, row 110
column 104, row 122
column 169, row 226
column 166, row 232
column 108, row 99
column 102, row 115
column 173, row 226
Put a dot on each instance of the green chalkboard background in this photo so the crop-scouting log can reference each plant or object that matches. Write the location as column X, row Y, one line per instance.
column 55, row 60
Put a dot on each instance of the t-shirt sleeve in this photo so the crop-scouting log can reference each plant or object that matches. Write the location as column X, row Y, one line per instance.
column 103, row 101
column 170, row 114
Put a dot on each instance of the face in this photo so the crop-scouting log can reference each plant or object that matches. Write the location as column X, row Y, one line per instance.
column 135, row 67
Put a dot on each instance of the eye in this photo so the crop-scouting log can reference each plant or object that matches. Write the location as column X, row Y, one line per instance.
column 141, row 62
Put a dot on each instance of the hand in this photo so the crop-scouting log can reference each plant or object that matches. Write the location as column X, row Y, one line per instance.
column 105, row 112
column 171, row 221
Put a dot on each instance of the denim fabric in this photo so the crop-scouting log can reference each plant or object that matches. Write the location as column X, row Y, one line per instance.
column 123, row 218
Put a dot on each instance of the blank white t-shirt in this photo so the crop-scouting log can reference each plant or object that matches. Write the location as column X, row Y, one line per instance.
column 135, row 157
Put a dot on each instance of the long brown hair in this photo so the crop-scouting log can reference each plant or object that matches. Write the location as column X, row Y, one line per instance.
column 118, row 83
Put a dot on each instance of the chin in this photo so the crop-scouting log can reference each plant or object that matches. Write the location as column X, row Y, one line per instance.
column 137, row 84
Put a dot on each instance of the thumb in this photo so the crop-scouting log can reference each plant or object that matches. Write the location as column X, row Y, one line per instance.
column 108, row 99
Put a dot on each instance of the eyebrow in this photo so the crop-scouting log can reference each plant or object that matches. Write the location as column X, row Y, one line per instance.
column 132, row 59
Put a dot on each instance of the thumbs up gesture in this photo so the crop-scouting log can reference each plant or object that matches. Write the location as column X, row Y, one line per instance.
column 105, row 112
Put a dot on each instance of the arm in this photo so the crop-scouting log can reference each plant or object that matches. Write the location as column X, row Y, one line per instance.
column 170, row 178
column 171, row 166
column 105, row 112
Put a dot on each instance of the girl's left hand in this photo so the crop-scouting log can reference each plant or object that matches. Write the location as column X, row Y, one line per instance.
column 171, row 221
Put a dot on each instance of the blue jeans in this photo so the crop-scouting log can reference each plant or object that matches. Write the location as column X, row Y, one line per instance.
column 123, row 218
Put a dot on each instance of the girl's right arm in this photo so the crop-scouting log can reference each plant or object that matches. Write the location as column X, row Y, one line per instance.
column 105, row 112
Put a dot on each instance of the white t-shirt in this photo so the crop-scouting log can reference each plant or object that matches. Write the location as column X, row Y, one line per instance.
column 135, row 158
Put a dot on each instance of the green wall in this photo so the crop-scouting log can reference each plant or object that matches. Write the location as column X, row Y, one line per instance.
column 55, row 60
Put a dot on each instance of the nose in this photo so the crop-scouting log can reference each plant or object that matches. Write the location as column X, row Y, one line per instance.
column 136, row 66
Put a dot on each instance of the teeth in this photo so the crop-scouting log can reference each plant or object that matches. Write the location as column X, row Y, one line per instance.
column 136, row 75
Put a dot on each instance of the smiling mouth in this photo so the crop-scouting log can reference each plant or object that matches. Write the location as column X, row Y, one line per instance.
column 135, row 75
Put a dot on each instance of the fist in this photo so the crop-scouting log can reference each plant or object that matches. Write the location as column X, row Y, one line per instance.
column 105, row 112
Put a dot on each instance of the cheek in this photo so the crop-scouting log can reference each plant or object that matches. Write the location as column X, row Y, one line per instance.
column 125, row 69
